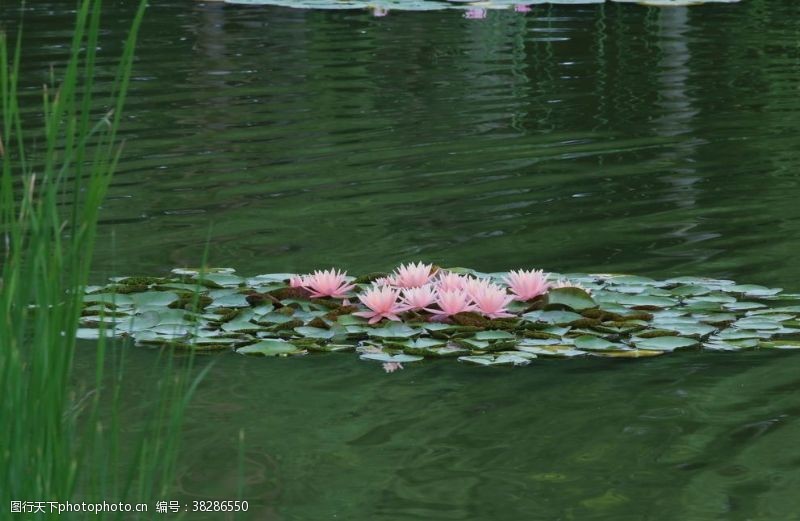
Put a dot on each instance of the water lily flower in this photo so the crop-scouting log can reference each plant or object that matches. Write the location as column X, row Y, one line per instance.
column 491, row 300
column 475, row 285
column 391, row 367
column 419, row 298
column 564, row 283
column 296, row 282
column 527, row 284
column 448, row 281
column 475, row 13
column 413, row 275
column 329, row 283
column 379, row 12
column 451, row 303
column 385, row 281
column 522, row 8
column 382, row 302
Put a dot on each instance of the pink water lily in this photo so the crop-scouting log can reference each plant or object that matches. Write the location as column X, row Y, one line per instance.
column 419, row 298
column 329, row 283
column 382, row 302
column 296, row 282
column 391, row 367
column 413, row 275
column 491, row 300
column 451, row 303
column 475, row 13
column 448, row 281
column 564, row 283
column 385, row 281
column 522, row 8
column 472, row 286
column 527, row 284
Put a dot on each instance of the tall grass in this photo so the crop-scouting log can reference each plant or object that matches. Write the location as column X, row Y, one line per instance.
column 55, row 446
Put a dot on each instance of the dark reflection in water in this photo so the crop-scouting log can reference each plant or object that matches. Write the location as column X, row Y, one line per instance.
column 593, row 138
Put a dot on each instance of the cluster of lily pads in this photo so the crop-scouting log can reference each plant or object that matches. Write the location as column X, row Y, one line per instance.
column 539, row 315
column 383, row 6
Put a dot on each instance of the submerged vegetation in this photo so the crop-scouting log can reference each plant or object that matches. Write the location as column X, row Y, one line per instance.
column 421, row 311
column 60, row 438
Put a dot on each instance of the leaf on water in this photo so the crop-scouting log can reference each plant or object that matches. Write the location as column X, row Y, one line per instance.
column 664, row 343
column 593, row 343
column 743, row 306
column 557, row 351
column 493, row 335
column 571, row 298
column 153, row 299
column 393, row 330
column 780, row 344
column 500, row 359
column 633, row 353
column 315, row 332
column 386, row 357
column 553, row 317
column 270, row 348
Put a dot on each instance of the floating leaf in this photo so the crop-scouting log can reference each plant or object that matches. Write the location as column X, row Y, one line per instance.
column 553, row 317
column 385, row 357
column 743, row 306
column 501, row 359
column 315, row 332
column 664, row 343
column 393, row 330
column 780, row 344
column 593, row 343
column 633, row 353
column 270, row 348
column 571, row 298
column 493, row 335
column 557, row 351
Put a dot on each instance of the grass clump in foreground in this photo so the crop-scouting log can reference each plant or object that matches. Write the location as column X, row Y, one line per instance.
column 55, row 446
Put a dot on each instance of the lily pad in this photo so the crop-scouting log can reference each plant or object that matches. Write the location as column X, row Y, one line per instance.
column 570, row 298
column 664, row 343
column 386, row 357
column 394, row 330
column 593, row 343
column 271, row 348
column 315, row 332
column 500, row 359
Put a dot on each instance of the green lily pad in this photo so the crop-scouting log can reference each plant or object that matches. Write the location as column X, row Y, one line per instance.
column 632, row 353
column 500, row 359
column 556, row 351
column 437, row 351
column 690, row 290
column 153, row 299
column 424, row 343
column 780, row 344
column 753, row 290
column 315, row 332
column 394, row 330
column 493, row 335
column 664, row 343
column 593, row 343
column 385, row 357
column 743, row 306
column 570, row 298
column 559, row 318
column 270, row 348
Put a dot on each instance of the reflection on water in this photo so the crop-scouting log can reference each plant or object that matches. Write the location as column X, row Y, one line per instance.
column 602, row 137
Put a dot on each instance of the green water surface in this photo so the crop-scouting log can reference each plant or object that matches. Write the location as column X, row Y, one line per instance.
column 601, row 138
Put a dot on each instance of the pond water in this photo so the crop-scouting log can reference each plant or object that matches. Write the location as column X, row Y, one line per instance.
column 600, row 138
